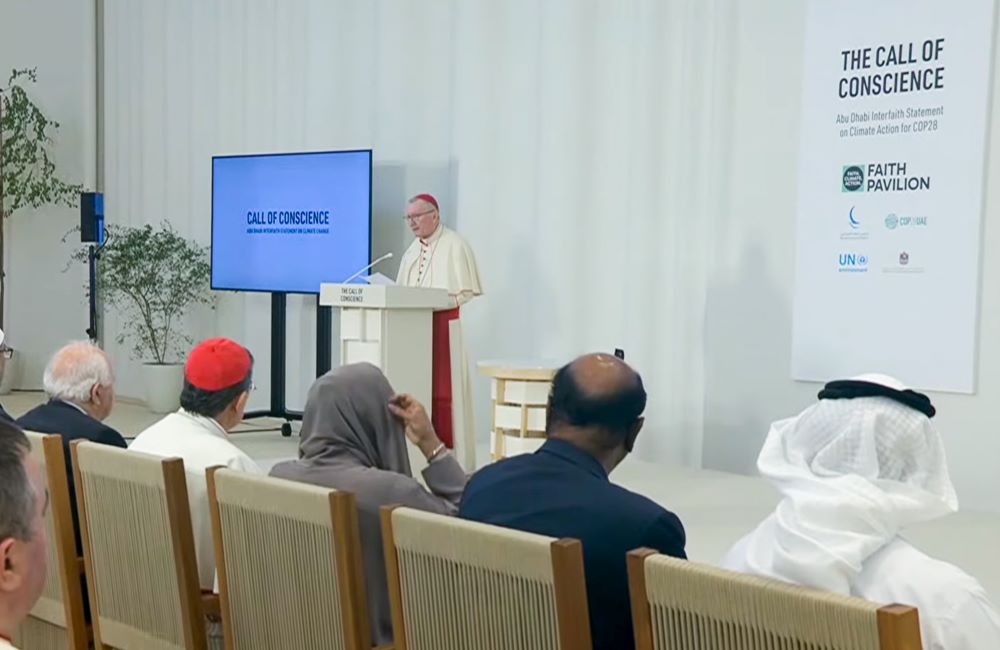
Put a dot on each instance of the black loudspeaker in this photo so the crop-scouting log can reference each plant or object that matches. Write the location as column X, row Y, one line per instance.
column 92, row 217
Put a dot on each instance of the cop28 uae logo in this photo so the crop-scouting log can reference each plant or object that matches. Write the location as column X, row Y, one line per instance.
column 853, row 179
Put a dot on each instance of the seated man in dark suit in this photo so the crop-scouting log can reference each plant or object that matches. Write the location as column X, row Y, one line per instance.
column 562, row 490
column 80, row 384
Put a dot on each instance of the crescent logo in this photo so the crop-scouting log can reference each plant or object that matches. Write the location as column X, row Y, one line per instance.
column 854, row 222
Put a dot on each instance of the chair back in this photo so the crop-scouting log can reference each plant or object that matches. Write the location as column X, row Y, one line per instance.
column 56, row 622
column 469, row 586
column 138, row 549
column 682, row 605
column 289, row 561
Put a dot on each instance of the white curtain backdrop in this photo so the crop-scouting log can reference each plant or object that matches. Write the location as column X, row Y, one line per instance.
column 579, row 146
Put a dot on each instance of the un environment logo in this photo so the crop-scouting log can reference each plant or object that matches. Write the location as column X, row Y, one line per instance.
column 891, row 222
column 853, row 179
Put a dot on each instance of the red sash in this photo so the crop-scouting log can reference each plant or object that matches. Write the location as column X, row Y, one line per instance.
column 441, row 413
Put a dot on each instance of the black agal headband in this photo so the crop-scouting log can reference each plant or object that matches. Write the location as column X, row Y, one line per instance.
column 852, row 388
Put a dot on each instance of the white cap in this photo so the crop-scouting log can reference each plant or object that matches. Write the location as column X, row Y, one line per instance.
column 871, row 378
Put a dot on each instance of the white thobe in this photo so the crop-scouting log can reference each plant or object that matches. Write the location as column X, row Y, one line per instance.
column 442, row 261
column 955, row 612
column 200, row 442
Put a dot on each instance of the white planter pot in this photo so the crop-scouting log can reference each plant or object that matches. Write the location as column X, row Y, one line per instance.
column 11, row 374
column 163, row 386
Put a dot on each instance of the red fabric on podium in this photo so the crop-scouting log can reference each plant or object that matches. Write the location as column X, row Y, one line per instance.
column 441, row 414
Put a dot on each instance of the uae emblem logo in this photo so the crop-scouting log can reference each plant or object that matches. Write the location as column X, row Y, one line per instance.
column 904, row 258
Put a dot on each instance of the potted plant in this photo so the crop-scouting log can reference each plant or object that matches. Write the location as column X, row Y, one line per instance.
column 27, row 175
column 152, row 277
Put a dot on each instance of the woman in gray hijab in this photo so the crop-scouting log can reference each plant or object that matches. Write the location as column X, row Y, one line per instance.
column 353, row 438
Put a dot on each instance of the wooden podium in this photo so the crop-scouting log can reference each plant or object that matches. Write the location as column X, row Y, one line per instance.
column 389, row 327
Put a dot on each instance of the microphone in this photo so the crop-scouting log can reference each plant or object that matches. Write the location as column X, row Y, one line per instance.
column 358, row 274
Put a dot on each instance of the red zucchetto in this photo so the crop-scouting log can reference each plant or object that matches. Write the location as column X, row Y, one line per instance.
column 216, row 364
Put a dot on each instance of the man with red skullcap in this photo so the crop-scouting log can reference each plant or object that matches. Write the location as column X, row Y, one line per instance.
column 439, row 258
column 218, row 378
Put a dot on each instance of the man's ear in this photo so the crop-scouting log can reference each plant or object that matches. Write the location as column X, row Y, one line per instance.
column 238, row 405
column 633, row 433
column 10, row 578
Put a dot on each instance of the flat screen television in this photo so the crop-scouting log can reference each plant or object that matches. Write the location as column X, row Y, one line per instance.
column 289, row 222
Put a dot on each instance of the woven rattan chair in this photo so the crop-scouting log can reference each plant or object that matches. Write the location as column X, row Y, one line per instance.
column 289, row 562
column 468, row 586
column 139, row 551
column 680, row 605
column 56, row 622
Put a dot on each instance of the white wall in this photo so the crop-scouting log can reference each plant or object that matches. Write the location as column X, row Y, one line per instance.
column 748, row 314
column 624, row 170
column 748, row 310
column 47, row 306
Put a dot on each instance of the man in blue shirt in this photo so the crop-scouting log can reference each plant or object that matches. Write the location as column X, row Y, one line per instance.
column 562, row 490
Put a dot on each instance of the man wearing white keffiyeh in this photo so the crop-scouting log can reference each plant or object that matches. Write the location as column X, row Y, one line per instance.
column 854, row 470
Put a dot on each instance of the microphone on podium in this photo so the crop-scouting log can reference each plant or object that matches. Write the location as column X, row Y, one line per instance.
column 373, row 264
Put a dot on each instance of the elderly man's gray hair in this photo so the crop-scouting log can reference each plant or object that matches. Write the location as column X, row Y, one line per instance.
column 17, row 495
column 74, row 370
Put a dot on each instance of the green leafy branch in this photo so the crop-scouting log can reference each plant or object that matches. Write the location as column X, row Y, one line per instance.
column 29, row 178
column 152, row 277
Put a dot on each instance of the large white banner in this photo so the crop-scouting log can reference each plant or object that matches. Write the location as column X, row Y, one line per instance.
column 894, row 126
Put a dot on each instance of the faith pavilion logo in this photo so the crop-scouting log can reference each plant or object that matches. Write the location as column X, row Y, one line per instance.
column 853, row 178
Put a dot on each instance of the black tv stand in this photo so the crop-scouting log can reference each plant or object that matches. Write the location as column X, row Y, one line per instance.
column 324, row 349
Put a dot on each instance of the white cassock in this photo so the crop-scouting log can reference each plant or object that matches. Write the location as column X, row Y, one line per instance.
column 445, row 261
column 853, row 473
column 201, row 443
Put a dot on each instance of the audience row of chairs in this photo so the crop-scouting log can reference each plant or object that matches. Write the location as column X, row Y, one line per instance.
column 290, row 576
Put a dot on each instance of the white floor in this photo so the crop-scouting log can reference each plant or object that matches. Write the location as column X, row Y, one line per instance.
column 717, row 508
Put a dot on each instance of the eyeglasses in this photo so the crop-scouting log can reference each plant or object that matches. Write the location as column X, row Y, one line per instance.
column 413, row 217
column 7, row 353
column 253, row 385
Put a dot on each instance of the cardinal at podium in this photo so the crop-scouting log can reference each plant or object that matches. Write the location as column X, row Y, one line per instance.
column 440, row 259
